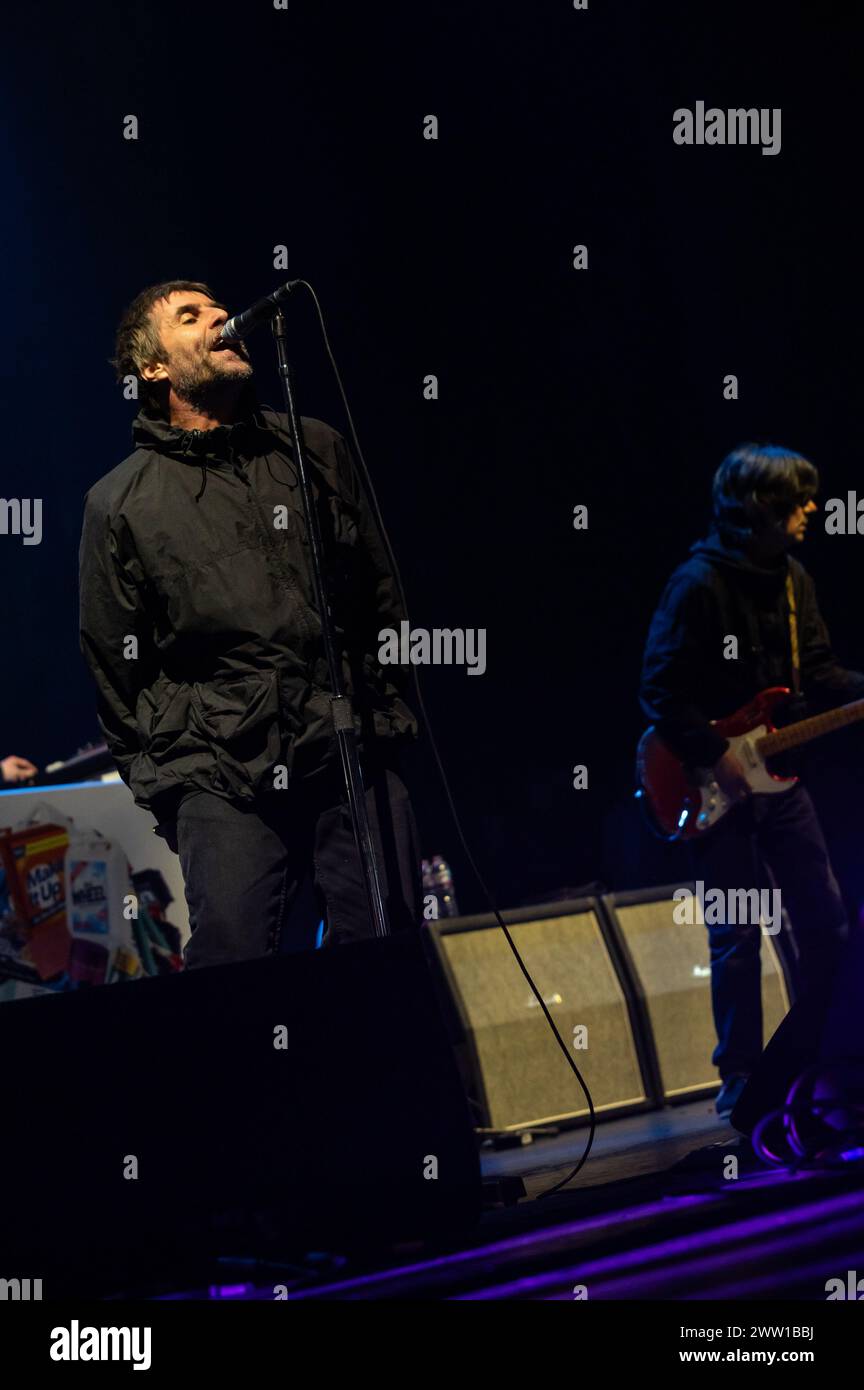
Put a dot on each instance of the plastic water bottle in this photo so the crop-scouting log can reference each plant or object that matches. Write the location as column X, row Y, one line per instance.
column 438, row 880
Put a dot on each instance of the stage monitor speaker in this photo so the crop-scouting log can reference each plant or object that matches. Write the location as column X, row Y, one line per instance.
column 669, row 963
column 275, row 1106
column 514, row 1070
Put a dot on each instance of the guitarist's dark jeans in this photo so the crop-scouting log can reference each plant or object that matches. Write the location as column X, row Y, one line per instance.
column 782, row 831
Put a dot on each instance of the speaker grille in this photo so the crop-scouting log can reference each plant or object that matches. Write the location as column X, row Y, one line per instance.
column 672, row 964
column 519, row 1071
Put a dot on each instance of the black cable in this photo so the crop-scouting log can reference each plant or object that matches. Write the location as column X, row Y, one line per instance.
column 370, row 491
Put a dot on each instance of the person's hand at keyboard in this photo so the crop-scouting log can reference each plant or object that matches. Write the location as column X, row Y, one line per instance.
column 14, row 769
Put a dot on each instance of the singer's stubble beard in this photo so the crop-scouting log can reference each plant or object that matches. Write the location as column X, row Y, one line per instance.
column 207, row 381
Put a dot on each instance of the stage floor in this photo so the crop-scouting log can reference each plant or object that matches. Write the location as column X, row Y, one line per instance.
column 655, row 1213
column 624, row 1148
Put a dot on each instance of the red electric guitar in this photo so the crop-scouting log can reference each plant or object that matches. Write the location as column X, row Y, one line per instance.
column 684, row 803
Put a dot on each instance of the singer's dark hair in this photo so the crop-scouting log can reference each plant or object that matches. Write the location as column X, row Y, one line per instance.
column 758, row 485
column 137, row 341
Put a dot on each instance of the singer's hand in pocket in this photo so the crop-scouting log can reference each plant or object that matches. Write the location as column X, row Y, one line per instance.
column 167, row 831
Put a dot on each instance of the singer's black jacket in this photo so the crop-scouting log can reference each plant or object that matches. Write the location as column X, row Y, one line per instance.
column 197, row 615
column 687, row 680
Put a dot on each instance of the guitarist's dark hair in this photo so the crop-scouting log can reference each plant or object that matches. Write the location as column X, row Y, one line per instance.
column 758, row 485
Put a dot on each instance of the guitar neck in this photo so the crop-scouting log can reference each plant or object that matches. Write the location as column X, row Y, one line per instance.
column 806, row 729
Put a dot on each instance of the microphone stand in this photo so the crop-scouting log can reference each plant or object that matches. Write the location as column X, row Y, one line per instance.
column 343, row 712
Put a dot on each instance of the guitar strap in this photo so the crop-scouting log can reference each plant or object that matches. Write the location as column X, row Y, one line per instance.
column 793, row 633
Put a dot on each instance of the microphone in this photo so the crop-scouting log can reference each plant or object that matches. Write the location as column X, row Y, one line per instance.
column 260, row 312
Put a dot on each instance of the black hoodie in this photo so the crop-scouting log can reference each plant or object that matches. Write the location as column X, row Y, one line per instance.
column 198, row 619
column 720, row 592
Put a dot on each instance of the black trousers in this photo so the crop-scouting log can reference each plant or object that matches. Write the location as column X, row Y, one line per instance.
column 782, row 831
column 244, row 862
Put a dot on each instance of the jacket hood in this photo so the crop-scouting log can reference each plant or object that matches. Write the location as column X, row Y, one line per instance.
column 250, row 435
column 731, row 556
column 193, row 446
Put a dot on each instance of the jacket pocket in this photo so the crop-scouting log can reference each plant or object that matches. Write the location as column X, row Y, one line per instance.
column 162, row 715
column 239, row 720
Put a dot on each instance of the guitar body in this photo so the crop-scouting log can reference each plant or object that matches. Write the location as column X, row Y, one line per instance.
column 685, row 803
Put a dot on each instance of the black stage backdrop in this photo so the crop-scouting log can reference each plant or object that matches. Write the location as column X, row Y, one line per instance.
column 303, row 127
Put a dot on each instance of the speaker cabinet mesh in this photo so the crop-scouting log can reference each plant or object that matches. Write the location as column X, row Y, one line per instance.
column 518, row 1074
column 672, row 966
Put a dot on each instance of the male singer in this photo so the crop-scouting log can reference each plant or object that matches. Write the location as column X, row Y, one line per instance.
column 199, row 626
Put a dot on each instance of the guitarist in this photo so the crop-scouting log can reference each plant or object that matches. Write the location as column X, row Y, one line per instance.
column 738, row 616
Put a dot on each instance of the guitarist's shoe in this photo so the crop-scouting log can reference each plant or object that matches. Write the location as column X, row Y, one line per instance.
column 729, row 1093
